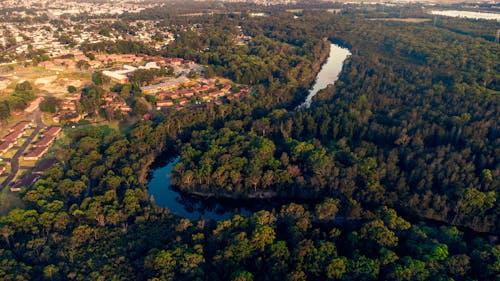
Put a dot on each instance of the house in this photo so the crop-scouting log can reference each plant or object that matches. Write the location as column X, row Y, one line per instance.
column 183, row 101
column 150, row 65
column 45, row 141
column 175, row 61
column 23, row 125
column 53, row 131
column 164, row 103
column 123, row 107
column 36, row 153
column 68, row 105
column 226, row 88
column 4, row 146
column 110, row 96
column 26, row 181
column 48, row 137
column 14, row 136
column 115, row 77
column 67, row 115
column 73, row 97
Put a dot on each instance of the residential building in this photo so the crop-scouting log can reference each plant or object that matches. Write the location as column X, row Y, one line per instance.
column 36, row 153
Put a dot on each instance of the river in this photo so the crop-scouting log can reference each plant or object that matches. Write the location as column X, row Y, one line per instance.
column 159, row 186
column 329, row 72
column 161, row 192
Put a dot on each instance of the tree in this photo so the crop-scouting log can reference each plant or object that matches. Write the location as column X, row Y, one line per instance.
column 71, row 89
column 376, row 232
column 337, row 268
column 411, row 270
column 50, row 104
column 97, row 78
column 4, row 110
column 83, row 65
column 328, row 209
column 50, row 271
column 242, row 276
column 140, row 107
column 23, row 86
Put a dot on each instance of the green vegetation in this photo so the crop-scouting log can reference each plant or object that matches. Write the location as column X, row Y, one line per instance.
column 409, row 133
column 143, row 77
column 8, row 200
column 50, row 104
column 406, row 126
column 19, row 100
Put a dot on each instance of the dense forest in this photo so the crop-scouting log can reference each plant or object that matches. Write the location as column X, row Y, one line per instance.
column 406, row 126
column 409, row 133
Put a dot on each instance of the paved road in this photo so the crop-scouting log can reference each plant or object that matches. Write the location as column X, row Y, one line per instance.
column 14, row 162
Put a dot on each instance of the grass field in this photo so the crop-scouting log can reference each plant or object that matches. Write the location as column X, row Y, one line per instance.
column 9, row 201
column 9, row 153
column 5, row 126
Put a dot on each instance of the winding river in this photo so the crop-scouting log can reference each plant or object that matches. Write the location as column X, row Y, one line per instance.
column 159, row 186
column 161, row 192
column 329, row 72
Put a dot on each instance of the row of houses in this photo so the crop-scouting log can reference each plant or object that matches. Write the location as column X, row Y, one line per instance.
column 67, row 116
column 115, row 102
column 68, row 110
column 15, row 133
column 29, row 179
column 205, row 93
column 43, row 144
column 166, row 86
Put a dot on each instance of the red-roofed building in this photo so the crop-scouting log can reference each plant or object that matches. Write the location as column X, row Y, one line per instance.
column 14, row 136
column 164, row 103
column 53, row 131
column 36, row 153
column 23, row 125
column 45, row 141
column 48, row 137
column 4, row 146
column 26, row 181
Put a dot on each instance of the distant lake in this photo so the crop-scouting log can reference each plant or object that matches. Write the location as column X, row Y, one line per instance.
column 467, row 14
column 329, row 72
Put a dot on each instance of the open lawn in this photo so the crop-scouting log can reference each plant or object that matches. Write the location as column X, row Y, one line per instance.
column 48, row 120
column 9, row 201
column 9, row 153
column 44, row 81
column 7, row 168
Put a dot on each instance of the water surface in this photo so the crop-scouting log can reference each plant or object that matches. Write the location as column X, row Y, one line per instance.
column 160, row 189
column 329, row 72
column 467, row 14
column 161, row 192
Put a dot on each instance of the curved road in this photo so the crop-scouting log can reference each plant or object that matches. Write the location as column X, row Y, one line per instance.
column 14, row 162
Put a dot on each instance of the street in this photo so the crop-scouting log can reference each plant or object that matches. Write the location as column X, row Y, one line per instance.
column 14, row 162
